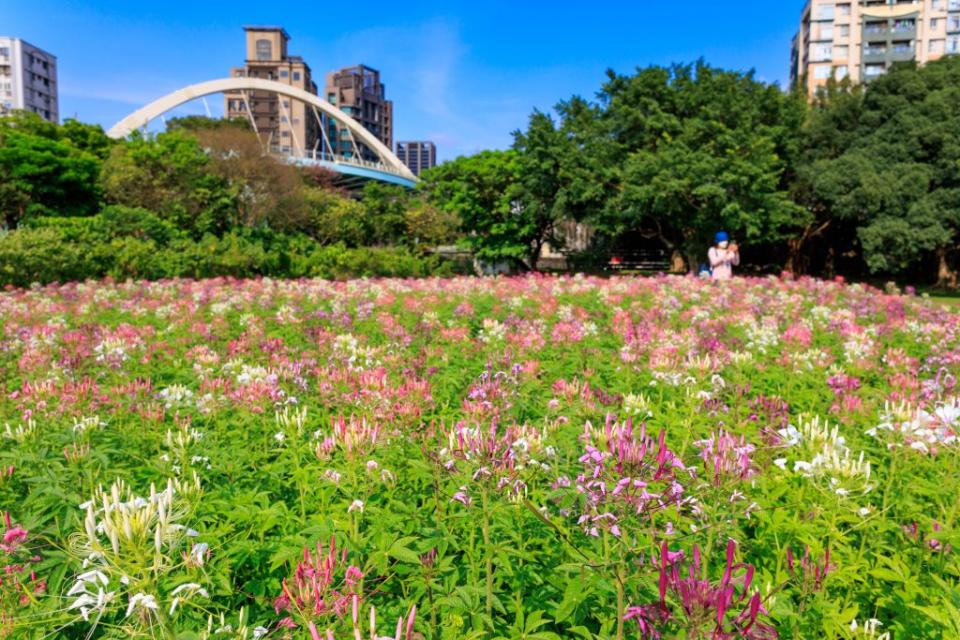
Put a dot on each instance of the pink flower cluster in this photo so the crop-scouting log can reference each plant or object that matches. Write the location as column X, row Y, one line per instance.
column 626, row 474
column 726, row 457
column 724, row 610
column 317, row 592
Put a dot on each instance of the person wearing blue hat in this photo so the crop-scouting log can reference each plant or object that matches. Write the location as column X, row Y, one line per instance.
column 723, row 257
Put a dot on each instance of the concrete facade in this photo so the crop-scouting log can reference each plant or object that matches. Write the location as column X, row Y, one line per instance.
column 861, row 39
column 284, row 125
column 358, row 92
column 28, row 79
column 418, row 156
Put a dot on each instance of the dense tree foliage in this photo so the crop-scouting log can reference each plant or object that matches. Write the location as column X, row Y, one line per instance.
column 46, row 170
column 860, row 181
column 485, row 193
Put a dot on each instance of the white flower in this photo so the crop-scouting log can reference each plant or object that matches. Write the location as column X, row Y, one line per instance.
column 356, row 505
column 781, row 462
column 141, row 601
column 198, row 554
column 279, row 437
column 259, row 632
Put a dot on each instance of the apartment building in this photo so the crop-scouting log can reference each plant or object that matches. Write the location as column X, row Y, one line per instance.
column 861, row 39
column 284, row 125
column 358, row 92
column 418, row 156
column 28, row 79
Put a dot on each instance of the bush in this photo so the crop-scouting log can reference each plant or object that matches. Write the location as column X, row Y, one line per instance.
column 126, row 243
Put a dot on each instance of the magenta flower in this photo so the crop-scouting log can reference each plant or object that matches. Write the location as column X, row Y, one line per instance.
column 722, row 610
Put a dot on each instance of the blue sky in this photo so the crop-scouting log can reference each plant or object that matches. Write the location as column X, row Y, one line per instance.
column 464, row 74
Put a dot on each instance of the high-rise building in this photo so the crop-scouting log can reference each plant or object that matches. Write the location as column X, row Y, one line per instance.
column 284, row 125
column 358, row 92
column 861, row 39
column 418, row 156
column 28, row 79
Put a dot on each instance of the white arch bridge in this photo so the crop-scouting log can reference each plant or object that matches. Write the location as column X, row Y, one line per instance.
column 353, row 168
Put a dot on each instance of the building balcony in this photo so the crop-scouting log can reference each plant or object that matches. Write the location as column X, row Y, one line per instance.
column 904, row 31
column 876, row 34
column 902, row 54
column 874, row 56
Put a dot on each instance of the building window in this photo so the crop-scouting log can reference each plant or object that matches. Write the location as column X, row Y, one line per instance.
column 841, row 52
column 825, row 12
column 844, row 31
column 934, row 24
column 296, row 76
column 821, row 72
column 284, row 73
column 822, row 52
column 843, row 10
column 264, row 50
column 874, row 70
column 938, row 5
column 937, row 46
column 841, row 72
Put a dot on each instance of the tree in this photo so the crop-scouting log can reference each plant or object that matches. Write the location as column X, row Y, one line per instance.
column 542, row 151
column 42, row 175
column 335, row 218
column 484, row 191
column 895, row 171
column 172, row 176
column 828, row 132
column 269, row 191
column 385, row 207
column 428, row 226
column 684, row 151
column 203, row 123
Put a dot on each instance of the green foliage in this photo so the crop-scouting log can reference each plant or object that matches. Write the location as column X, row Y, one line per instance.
column 198, row 123
column 887, row 159
column 42, row 173
column 126, row 243
column 170, row 175
column 694, row 149
column 483, row 192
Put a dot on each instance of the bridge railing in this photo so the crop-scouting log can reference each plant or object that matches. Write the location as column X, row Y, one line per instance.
column 322, row 156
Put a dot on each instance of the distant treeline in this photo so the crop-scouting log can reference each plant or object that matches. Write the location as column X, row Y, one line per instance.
column 860, row 181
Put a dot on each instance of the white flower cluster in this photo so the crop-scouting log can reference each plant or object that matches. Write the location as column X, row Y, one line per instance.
column 859, row 347
column 82, row 425
column 111, row 350
column 762, row 337
column 902, row 425
column 176, row 396
column 493, row 331
column 823, row 455
column 869, row 629
column 637, row 406
column 21, row 432
column 347, row 348
column 127, row 544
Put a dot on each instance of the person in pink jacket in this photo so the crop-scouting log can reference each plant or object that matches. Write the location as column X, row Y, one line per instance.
column 723, row 257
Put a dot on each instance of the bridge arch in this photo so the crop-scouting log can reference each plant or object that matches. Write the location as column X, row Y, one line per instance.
column 141, row 117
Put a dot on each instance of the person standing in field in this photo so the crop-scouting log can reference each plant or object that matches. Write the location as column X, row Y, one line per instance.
column 723, row 257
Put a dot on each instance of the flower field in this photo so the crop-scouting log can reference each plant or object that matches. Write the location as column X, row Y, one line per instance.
column 527, row 457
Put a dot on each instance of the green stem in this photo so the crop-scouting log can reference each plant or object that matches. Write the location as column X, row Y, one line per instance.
column 488, row 555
